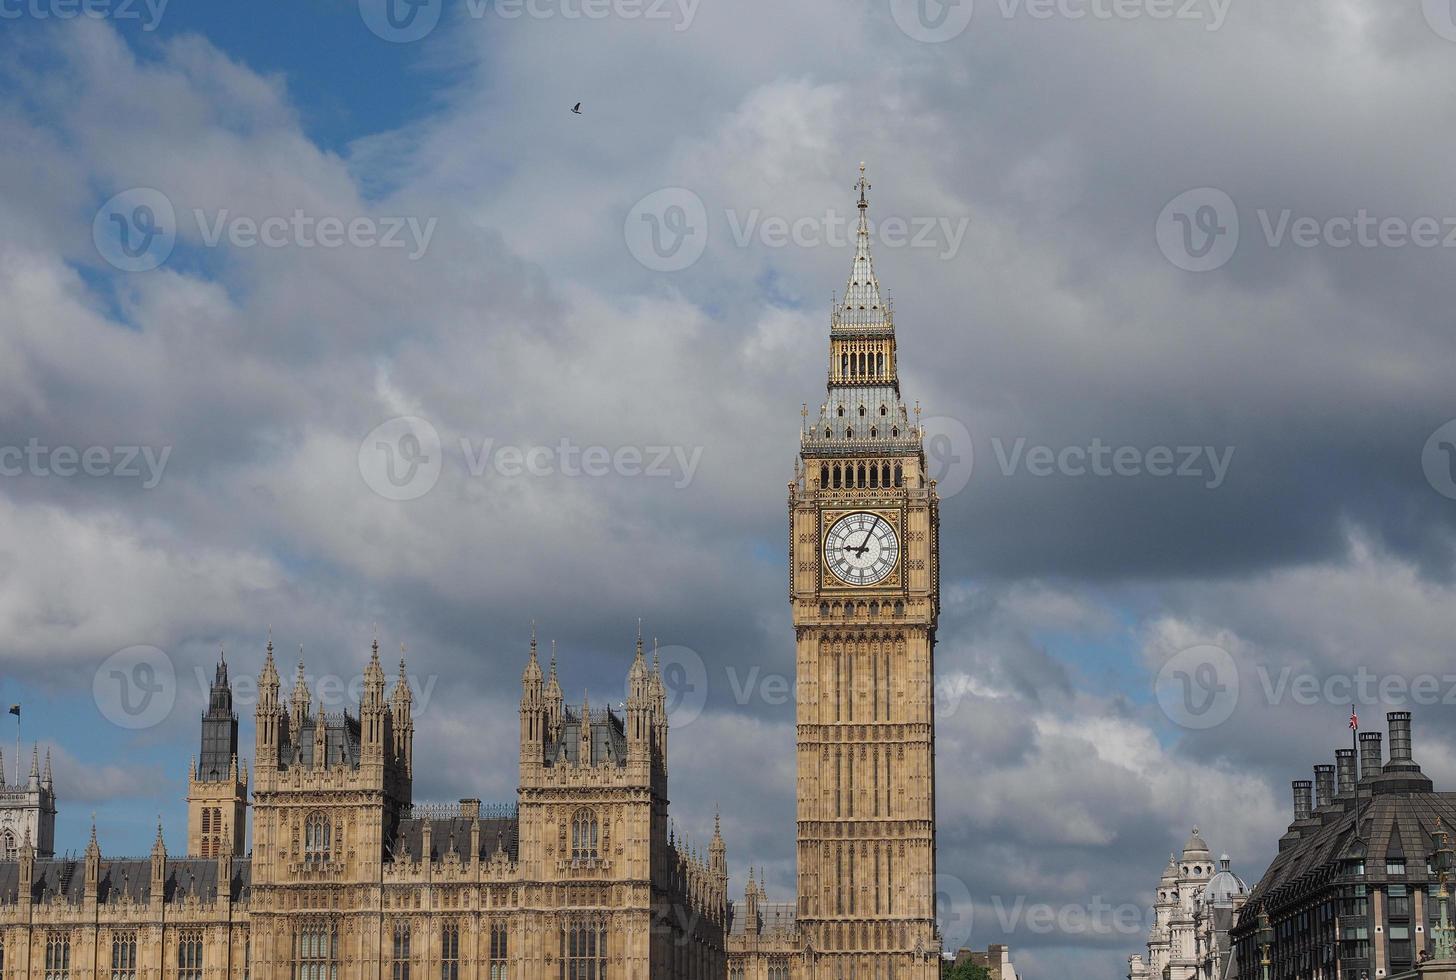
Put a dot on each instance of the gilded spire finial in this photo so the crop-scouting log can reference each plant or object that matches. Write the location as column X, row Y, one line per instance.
column 863, row 186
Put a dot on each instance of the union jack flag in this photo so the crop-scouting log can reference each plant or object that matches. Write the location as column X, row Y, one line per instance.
column 1354, row 720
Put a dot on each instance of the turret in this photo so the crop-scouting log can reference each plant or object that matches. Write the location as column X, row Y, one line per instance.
column 533, row 711
column 372, row 710
column 555, row 703
column 639, row 706
column 401, row 707
column 93, row 868
column 299, row 703
column 27, row 871
column 268, row 715
column 584, row 751
column 718, row 865
column 159, row 868
column 658, row 695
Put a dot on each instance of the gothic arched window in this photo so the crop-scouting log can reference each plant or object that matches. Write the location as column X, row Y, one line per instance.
column 7, row 843
column 584, row 950
column 584, row 836
column 318, row 838
column 58, row 956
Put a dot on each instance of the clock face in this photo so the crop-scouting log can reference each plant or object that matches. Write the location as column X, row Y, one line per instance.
column 861, row 549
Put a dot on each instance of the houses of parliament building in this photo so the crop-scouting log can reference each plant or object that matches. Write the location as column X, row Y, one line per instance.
column 340, row 875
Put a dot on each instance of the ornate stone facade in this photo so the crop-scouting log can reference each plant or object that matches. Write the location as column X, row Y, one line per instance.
column 1194, row 910
column 28, row 809
column 864, row 587
column 349, row 879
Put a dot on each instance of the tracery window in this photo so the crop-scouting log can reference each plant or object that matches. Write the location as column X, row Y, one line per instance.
column 400, row 968
column 584, row 951
column 450, row 951
column 584, row 836
column 318, row 836
column 316, row 954
column 58, row 956
column 123, row 955
column 7, row 841
column 189, row 956
column 499, row 946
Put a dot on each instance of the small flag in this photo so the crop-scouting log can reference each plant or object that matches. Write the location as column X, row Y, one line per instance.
column 1354, row 720
column 15, row 710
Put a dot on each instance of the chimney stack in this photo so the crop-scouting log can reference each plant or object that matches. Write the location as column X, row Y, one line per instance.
column 1324, row 786
column 470, row 809
column 1399, row 723
column 1348, row 770
column 1303, row 793
column 1371, row 755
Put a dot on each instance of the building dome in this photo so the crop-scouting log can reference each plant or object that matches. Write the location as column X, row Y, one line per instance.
column 1196, row 848
column 1224, row 888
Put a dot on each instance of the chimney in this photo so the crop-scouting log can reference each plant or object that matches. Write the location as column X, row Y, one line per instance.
column 1371, row 755
column 470, row 809
column 1399, row 723
column 1303, row 792
column 1348, row 770
column 1324, row 786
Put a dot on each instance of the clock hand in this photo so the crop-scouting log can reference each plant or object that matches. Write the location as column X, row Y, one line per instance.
column 864, row 544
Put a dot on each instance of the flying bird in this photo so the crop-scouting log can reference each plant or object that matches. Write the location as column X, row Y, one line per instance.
column 576, row 108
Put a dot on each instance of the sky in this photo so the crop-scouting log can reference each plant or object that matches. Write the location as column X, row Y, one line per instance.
column 329, row 318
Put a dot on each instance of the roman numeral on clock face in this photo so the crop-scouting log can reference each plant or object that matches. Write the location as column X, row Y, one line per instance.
column 861, row 549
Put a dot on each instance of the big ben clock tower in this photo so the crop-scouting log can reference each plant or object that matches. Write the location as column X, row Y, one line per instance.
column 864, row 586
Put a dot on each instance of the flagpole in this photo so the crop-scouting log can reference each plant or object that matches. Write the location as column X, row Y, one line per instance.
column 1355, row 746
